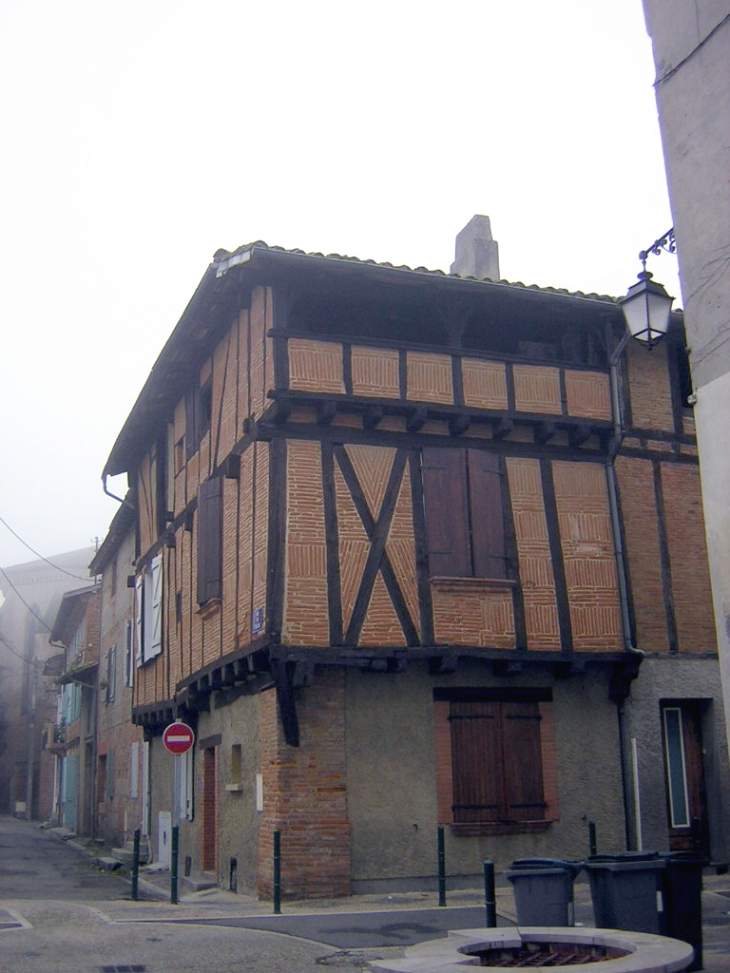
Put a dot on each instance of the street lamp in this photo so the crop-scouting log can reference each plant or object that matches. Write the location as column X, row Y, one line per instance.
column 647, row 305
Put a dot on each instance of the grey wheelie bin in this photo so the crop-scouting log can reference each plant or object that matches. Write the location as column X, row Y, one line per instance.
column 543, row 889
column 626, row 890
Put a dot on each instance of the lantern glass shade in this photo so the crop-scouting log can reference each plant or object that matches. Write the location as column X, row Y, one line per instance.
column 646, row 309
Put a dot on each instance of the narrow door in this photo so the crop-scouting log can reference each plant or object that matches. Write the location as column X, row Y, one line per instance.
column 683, row 760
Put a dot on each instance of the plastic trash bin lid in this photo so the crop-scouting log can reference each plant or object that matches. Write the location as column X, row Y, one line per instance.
column 569, row 866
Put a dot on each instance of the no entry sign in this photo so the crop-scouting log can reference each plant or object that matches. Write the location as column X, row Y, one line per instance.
column 178, row 737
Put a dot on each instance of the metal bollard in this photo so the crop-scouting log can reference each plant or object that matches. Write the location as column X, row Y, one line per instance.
column 173, row 864
column 592, row 843
column 135, row 866
column 277, row 873
column 442, row 867
column 490, row 898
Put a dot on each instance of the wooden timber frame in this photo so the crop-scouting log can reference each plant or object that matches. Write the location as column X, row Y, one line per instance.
column 266, row 662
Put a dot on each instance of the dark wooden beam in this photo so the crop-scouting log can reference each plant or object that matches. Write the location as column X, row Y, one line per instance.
column 416, row 419
column 459, row 424
column 577, row 435
column 285, row 697
column 326, row 412
column 544, row 432
column 507, row 667
column 372, row 416
column 502, row 428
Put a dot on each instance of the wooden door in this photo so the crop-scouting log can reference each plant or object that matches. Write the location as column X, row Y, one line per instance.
column 683, row 762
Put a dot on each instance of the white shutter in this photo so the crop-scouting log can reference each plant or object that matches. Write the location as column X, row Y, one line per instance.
column 139, row 617
column 154, row 644
column 186, row 786
column 134, row 771
column 128, row 656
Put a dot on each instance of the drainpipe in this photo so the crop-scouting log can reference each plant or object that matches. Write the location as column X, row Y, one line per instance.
column 627, row 780
column 113, row 495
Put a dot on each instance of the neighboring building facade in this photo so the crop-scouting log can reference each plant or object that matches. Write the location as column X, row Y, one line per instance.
column 77, row 629
column 32, row 593
column 401, row 540
column 120, row 748
column 691, row 41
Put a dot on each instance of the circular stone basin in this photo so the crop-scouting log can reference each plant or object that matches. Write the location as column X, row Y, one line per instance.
column 604, row 950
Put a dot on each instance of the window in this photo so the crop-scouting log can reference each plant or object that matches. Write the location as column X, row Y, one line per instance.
column 198, row 409
column 148, row 607
column 464, row 523
column 676, row 770
column 210, row 538
column 134, row 771
column 128, row 655
column 111, row 674
column 496, row 760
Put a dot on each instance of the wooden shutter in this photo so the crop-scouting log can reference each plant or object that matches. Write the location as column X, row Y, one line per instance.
column 210, row 538
column 446, row 504
column 191, row 443
column 522, row 761
column 476, row 761
column 110, row 774
column 487, row 523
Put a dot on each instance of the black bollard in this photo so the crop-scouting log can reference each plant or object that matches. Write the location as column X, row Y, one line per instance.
column 277, row 873
column 490, row 898
column 592, row 844
column 173, row 864
column 135, row 866
column 442, row 867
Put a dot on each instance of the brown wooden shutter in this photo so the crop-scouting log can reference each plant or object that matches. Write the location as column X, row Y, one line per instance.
column 487, row 523
column 446, row 502
column 210, row 539
column 476, row 761
column 522, row 761
column 190, row 438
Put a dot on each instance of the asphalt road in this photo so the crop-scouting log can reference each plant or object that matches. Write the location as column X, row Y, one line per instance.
column 36, row 864
column 366, row 930
column 59, row 914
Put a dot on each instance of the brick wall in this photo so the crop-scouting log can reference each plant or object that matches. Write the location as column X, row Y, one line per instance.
column 635, row 480
column 688, row 558
column 305, row 794
column 586, row 537
column 536, row 571
column 649, row 387
column 306, row 620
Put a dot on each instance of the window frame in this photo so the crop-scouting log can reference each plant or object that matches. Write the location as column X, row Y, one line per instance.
column 535, row 703
column 148, row 611
column 464, row 513
column 111, row 674
column 210, row 542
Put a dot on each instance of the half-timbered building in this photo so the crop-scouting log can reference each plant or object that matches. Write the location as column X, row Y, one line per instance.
column 405, row 543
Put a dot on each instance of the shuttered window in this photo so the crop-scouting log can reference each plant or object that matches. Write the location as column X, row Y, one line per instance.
column 496, row 756
column 496, row 761
column 148, row 611
column 111, row 674
column 464, row 521
column 210, row 538
column 198, row 405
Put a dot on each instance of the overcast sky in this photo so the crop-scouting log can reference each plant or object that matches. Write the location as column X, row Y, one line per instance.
column 140, row 137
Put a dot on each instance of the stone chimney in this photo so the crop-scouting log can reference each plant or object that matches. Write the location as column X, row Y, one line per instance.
column 477, row 254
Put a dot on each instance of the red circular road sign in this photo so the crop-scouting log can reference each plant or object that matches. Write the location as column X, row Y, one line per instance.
column 178, row 737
